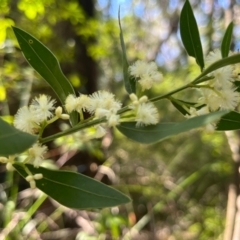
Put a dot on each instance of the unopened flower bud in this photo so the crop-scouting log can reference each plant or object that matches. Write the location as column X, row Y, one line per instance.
column 143, row 99
column 29, row 178
column 135, row 103
column 58, row 111
column 38, row 176
column 64, row 116
column 133, row 97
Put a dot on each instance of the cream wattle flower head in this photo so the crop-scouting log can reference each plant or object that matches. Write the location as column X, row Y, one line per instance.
column 37, row 154
column 73, row 103
column 70, row 103
column 223, row 99
column 28, row 119
column 213, row 56
column 147, row 114
column 146, row 73
column 139, row 68
column 229, row 99
column 103, row 100
column 222, row 75
column 42, row 107
column 25, row 120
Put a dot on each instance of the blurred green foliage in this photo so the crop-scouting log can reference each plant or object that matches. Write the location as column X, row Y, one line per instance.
column 179, row 186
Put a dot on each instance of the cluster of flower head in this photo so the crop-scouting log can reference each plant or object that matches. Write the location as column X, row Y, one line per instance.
column 103, row 104
column 146, row 113
column 100, row 105
column 35, row 156
column 219, row 93
column 147, row 74
column 31, row 118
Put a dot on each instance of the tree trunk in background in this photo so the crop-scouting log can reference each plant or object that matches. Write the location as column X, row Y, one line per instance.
column 86, row 66
column 83, row 64
column 232, row 226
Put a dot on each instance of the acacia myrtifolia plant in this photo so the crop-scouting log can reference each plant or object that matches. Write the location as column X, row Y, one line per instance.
column 22, row 145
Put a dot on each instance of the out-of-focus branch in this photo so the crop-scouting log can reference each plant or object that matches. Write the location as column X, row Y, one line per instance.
column 231, row 211
column 236, row 233
column 232, row 228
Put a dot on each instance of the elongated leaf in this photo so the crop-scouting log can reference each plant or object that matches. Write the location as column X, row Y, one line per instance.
column 179, row 107
column 230, row 121
column 226, row 42
column 13, row 141
column 129, row 81
column 46, row 64
column 161, row 131
column 178, row 104
column 75, row 190
column 219, row 64
column 190, row 34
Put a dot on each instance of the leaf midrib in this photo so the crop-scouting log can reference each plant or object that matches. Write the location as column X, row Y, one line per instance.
column 187, row 15
column 79, row 189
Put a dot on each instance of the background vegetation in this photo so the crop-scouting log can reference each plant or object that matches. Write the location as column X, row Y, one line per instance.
column 179, row 187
